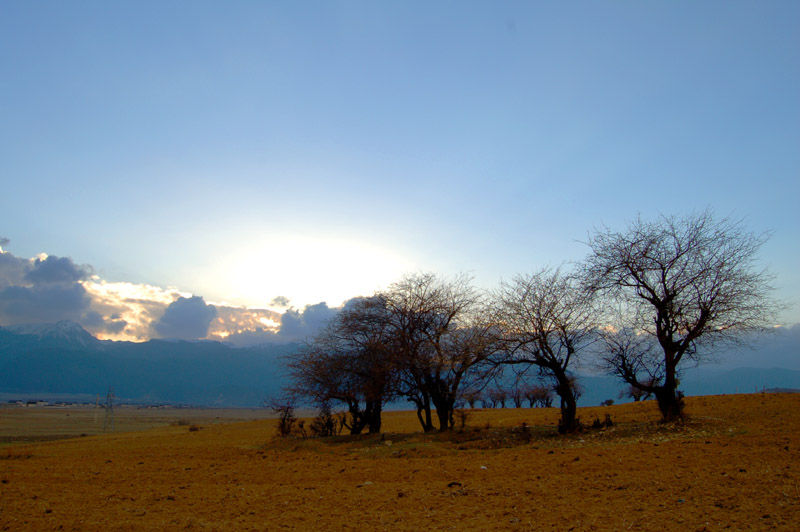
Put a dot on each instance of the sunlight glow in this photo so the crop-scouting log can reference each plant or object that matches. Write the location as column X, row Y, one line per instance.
column 136, row 304
column 234, row 320
column 269, row 322
column 309, row 270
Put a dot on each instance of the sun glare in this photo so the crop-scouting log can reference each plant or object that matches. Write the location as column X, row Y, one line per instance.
column 310, row 270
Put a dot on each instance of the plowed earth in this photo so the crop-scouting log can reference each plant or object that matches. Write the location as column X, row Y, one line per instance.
column 734, row 465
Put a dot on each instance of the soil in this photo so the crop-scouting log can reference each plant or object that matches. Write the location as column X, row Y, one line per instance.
column 733, row 465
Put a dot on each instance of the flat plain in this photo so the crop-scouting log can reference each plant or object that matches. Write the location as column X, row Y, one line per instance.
column 733, row 465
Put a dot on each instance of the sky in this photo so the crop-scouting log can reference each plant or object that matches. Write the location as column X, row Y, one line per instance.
column 225, row 170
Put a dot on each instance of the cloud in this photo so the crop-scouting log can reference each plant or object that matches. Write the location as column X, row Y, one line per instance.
column 12, row 270
column 129, row 309
column 21, row 304
column 299, row 325
column 244, row 326
column 280, row 302
column 41, row 290
column 47, row 289
column 95, row 322
column 185, row 318
column 55, row 270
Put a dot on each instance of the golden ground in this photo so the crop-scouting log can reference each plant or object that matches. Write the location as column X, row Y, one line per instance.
column 733, row 466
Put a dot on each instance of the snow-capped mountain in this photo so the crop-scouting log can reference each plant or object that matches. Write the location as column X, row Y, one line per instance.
column 63, row 334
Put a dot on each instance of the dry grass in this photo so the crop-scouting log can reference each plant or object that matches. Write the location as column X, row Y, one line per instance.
column 732, row 466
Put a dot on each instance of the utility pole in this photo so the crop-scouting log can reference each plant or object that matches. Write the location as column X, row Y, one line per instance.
column 109, row 409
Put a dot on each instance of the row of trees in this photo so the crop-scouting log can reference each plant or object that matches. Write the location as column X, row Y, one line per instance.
column 645, row 301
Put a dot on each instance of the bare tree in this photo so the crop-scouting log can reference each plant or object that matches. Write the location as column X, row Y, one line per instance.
column 349, row 362
column 632, row 392
column 442, row 339
column 517, row 396
column 547, row 322
column 471, row 396
column 499, row 396
column 538, row 395
column 679, row 287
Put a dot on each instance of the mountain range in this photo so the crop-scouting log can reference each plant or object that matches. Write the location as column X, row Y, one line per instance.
column 63, row 359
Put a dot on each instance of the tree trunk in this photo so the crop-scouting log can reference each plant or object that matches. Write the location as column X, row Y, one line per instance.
column 444, row 419
column 424, row 407
column 569, row 406
column 670, row 403
column 444, row 411
column 373, row 415
column 428, row 425
column 357, row 421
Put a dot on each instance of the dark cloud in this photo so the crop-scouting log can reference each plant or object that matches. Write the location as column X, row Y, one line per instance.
column 41, row 290
column 94, row 322
column 185, row 318
column 280, row 302
column 55, row 270
column 115, row 326
column 43, row 304
column 4, row 241
column 299, row 325
column 12, row 270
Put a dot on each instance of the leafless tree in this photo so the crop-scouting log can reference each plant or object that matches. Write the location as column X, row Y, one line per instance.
column 499, row 396
column 632, row 392
column 547, row 321
column 442, row 339
column 471, row 396
column 517, row 396
column 538, row 395
column 678, row 288
column 349, row 362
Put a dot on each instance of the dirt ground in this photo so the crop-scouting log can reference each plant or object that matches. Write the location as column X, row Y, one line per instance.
column 733, row 466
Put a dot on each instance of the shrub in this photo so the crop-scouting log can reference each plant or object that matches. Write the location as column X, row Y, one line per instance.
column 284, row 408
column 325, row 424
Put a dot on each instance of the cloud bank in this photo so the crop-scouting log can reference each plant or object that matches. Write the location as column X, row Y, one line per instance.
column 48, row 288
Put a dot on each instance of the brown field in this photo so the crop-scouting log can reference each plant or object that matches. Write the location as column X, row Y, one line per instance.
column 732, row 466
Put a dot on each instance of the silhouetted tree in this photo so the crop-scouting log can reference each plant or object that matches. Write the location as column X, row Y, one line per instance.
column 538, row 395
column 547, row 321
column 471, row 396
column 349, row 362
column 517, row 396
column 284, row 408
column 678, row 287
column 442, row 340
column 499, row 396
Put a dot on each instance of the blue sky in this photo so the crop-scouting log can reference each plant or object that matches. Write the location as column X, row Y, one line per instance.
column 243, row 151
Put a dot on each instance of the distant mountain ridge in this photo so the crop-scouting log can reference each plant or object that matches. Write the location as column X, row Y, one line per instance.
column 65, row 333
column 63, row 358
